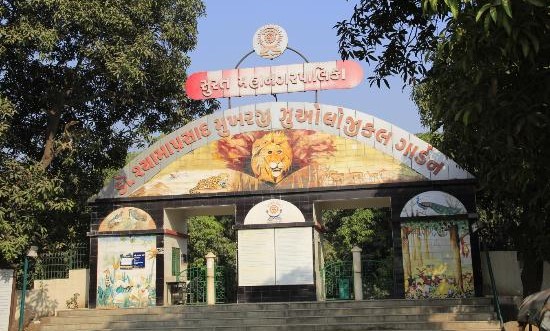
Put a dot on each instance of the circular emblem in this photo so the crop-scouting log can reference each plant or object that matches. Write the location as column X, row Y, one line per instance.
column 274, row 211
column 270, row 41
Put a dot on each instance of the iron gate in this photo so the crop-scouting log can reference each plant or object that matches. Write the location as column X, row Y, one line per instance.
column 376, row 275
column 196, row 286
column 338, row 280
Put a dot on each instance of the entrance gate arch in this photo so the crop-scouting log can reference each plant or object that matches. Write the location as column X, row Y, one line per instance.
column 306, row 154
column 334, row 280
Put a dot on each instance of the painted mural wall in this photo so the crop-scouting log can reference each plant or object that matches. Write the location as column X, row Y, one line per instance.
column 437, row 259
column 127, row 219
column 243, row 128
column 126, row 272
column 433, row 203
column 276, row 159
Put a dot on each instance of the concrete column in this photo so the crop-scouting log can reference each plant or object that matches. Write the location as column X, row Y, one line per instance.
column 210, row 286
column 357, row 279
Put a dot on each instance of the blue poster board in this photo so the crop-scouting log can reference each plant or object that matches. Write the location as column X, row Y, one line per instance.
column 139, row 259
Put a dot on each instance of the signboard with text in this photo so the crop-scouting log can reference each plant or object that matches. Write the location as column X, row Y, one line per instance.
column 342, row 142
column 271, row 80
column 139, row 260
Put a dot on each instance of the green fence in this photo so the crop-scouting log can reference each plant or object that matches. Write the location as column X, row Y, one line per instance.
column 53, row 265
column 196, row 287
column 377, row 276
column 338, row 280
column 57, row 265
column 220, row 283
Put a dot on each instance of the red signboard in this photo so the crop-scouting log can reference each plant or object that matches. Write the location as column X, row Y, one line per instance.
column 271, row 80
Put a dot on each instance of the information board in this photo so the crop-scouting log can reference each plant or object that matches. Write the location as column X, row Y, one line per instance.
column 256, row 257
column 282, row 256
column 293, row 256
column 139, row 259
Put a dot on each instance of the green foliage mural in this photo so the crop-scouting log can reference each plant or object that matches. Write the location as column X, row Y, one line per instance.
column 437, row 260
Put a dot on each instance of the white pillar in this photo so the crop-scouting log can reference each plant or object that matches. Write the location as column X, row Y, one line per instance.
column 210, row 285
column 357, row 279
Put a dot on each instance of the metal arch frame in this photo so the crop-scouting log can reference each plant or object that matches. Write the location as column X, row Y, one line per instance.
column 274, row 95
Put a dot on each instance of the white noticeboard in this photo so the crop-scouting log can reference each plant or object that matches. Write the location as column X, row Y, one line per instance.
column 6, row 282
column 294, row 256
column 256, row 257
column 281, row 256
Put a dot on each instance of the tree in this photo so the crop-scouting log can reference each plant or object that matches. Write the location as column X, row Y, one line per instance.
column 480, row 71
column 27, row 197
column 370, row 230
column 212, row 234
column 366, row 228
column 85, row 80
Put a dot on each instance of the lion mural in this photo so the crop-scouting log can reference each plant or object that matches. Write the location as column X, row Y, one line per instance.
column 278, row 159
column 271, row 157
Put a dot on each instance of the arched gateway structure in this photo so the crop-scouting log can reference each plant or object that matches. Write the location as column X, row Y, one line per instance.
column 302, row 157
column 275, row 167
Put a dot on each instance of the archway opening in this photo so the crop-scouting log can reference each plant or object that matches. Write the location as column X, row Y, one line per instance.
column 362, row 223
column 206, row 229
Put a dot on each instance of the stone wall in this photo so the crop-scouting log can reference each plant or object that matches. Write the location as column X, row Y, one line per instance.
column 49, row 296
column 507, row 272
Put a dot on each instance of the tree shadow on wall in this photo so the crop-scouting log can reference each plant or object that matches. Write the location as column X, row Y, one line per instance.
column 39, row 303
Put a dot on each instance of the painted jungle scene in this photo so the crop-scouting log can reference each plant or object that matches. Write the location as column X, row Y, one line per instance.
column 126, row 272
column 276, row 159
column 437, row 259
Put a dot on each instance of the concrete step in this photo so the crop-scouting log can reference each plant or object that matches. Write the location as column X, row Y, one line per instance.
column 453, row 314
column 291, row 305
column 455, row 326
column 286, row 316
column 185, row 314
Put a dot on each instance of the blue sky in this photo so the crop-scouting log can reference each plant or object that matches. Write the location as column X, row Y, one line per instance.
column 225, row 35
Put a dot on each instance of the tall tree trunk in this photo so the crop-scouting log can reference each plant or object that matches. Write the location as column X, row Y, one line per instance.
column 455, row 249
column 48, row 155
column 406, row 255
column 418, row 247
column 532, row 272
column 426, row 235
column 412, row 240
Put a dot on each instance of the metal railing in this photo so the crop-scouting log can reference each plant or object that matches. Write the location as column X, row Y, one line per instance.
column 220, row 284
column 196, row 286
column 496, row 300
column 194, row 280
column 338, row 280
column 377, row 276
column 57, row 265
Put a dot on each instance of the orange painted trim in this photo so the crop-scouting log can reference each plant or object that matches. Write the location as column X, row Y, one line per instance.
column 320, row 227
column 175, row 233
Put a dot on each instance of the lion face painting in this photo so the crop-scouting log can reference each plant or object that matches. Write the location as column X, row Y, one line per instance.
column 271, row 157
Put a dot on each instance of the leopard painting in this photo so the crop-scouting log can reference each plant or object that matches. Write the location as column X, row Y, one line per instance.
column 212, row 183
